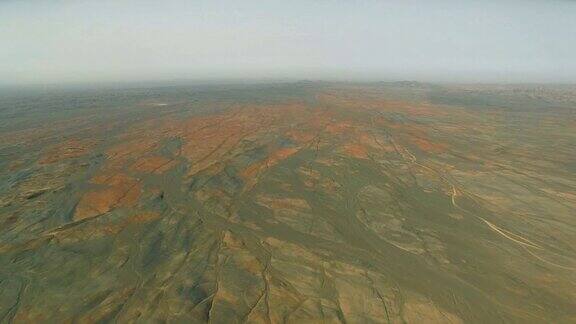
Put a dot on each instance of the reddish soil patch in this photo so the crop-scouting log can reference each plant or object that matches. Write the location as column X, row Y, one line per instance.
column 70, row 149
column 299, row 136
column 120, row 154
column 427, row 146
column 356, row 150
column 143, row 217
column 250, row 174
column 283, row 203
column 119, row 191
column 96, row 230
column 153, row 164
column 281, row 154
column 338, row 128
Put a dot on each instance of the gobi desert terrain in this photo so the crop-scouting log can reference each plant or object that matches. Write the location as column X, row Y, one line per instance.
column 306, row 202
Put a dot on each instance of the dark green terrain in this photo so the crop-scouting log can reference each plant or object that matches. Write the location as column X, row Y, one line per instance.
column 289, row 203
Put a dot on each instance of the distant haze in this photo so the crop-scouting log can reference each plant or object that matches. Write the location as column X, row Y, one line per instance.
column 449, row 41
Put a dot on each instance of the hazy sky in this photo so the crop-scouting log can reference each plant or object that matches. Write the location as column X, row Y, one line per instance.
column 475, row 40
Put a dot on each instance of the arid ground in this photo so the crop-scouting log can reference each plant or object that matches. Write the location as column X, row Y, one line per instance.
column 289, row 203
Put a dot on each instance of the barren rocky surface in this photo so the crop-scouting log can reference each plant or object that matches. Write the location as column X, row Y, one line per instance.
column 289, row 203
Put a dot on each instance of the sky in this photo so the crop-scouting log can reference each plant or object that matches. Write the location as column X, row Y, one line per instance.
column 59, row 41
